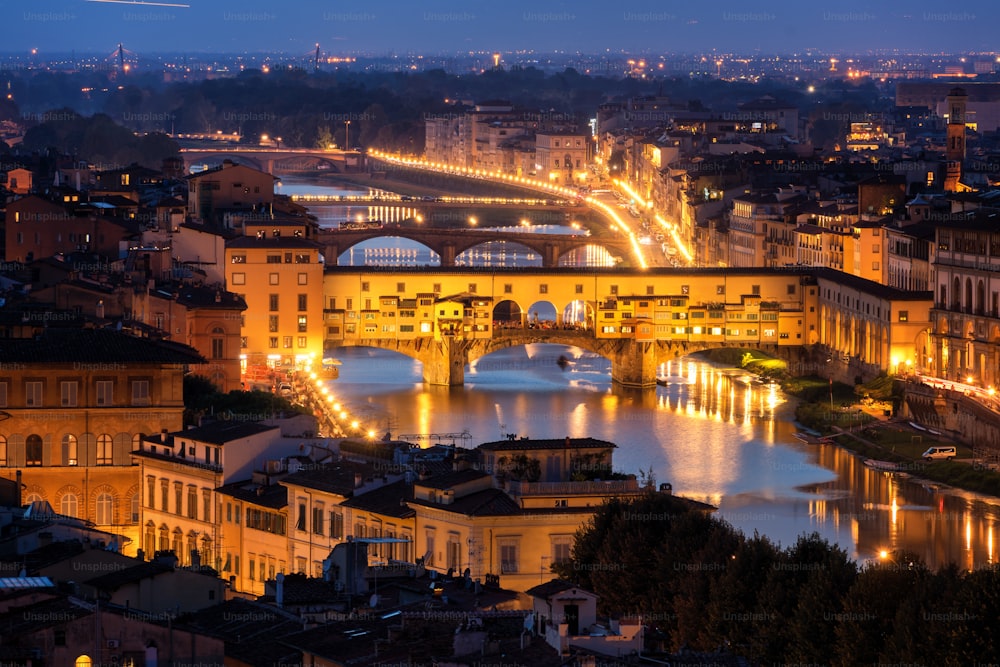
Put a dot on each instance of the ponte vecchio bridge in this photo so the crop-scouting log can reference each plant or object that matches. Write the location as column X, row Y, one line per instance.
column 449, row 317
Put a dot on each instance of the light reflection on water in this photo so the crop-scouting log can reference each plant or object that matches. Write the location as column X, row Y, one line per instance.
column 712, row 433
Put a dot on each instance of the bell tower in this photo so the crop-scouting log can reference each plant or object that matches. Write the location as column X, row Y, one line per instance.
column 955, row 148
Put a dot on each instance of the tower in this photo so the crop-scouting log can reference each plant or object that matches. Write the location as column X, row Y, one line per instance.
column 955, row 147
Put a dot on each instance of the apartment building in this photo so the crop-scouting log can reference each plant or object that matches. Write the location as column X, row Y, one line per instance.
column 76, row 404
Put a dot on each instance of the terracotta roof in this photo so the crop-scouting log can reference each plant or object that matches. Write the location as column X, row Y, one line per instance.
column 95, row 346
column 388, row 500
column 251, row 631
column 338, row 478
column 490, row 502
column 553, row 587
column 274, row 496
column 452, row 478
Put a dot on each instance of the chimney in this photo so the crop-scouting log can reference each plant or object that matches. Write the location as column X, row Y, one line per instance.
column 357, row 480
column 140, row 554
column 279, row 595
column 163, row 435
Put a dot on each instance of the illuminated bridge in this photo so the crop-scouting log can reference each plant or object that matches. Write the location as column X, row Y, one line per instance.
column 268, row 159
column 449, row 243
column 638, row 319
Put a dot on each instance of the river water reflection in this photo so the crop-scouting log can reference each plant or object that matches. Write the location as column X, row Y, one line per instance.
column 713, row 433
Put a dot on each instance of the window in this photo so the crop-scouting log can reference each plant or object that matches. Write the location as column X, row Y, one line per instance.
column 287, row 340
column 365, row 287
column 272, row 302
column 508, row 288
column 133, row 504
column 33, row 394
column 67, row 393
column 614, row 289
column 69, row 450
column 303, row 300
column 151, row 492
column 755, row 290
column 720, row 289
column 164, row 490
column 253, row 563
column 104, row 449
column 272, row 323
column 218, row 348
column 104, row 508
column 508, row 557
column 302, row 341
column 239, row 279
column 192, row 508
column 562, row 547
column 317, row 520
column 303, row 278
column 70, row 505
column 303, row 324
column 140, row 392
column 300, row 523
column 578, row 289
column 239, row 259
column 543, row 289
column 105, row 392
column 33, row 450
column 454, row 552
column 272, row 342
column 3, row 450
column 436, row 288
column 272, row 279
column 791, row 288
column 904, row 316
column 336, row 525
column 274, row 259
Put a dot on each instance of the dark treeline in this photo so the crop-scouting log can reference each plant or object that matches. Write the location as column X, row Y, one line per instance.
column 386, row 109
column 702, row 584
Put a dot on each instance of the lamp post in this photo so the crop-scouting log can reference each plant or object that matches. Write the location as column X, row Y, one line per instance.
column 347, row 135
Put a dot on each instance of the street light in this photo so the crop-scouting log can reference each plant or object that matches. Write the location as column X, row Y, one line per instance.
column 347, row 135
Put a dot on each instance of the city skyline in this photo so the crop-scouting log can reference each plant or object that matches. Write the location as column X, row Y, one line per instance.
column 228, row 26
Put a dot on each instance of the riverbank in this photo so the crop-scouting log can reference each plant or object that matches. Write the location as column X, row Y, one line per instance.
column 852, row 418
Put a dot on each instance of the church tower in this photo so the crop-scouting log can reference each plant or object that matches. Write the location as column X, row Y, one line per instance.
column 955, row 148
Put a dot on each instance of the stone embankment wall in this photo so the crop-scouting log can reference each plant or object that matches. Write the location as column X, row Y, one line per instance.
column 953, row 413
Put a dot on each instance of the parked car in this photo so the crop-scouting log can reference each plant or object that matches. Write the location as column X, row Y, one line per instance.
column 936, row 453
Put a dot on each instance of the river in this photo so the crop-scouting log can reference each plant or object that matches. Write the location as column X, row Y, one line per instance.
column 711, row 433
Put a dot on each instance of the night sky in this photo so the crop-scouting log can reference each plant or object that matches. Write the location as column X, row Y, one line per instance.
column 448, row 26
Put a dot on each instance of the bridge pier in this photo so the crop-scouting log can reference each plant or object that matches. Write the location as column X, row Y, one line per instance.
column 448, row 254
column 550, row 259
column 633, row 364
column 444, row 362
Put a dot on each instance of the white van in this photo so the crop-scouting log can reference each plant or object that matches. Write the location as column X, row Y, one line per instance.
column 936, row 453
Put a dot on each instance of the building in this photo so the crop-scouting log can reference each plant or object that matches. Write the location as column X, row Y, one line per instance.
column 180, row 472
column 965, row 329
column 73, row 419
column 40, row 227
column 229, row 187
column 562, row 158
column 281, row 280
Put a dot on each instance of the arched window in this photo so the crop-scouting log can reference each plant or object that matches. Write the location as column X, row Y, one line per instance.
column 104, row 450
column 70, row 505
column 105, row 510
column 218, row 343
column 956, row 294
column 33, row 450
column 32, row 498
column 83, row 661
column 137, row 441
column 70, row 450
column 968, row 295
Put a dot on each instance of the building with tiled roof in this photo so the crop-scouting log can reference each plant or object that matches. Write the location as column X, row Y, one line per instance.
column 78, row 401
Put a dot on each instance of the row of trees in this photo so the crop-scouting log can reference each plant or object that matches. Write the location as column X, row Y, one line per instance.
column 703, row 584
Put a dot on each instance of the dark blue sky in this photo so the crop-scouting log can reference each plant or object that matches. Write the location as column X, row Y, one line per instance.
column 381, row 26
